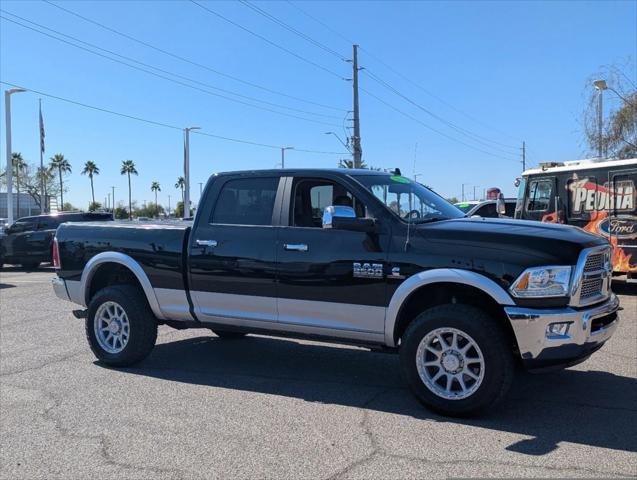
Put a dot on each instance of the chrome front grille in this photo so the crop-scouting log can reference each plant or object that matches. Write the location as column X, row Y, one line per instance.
column 593, row 276
column 594, row 262
column 591, row 287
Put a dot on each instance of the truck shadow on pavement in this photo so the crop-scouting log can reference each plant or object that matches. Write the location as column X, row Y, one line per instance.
column 585, row 407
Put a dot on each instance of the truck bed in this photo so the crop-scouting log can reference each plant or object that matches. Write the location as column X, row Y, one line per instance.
column 158, row 247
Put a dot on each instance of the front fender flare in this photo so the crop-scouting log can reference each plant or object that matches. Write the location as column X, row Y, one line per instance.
column 439, row 275
column 116, row 257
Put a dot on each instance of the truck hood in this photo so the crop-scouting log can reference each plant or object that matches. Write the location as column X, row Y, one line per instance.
column 528, row 242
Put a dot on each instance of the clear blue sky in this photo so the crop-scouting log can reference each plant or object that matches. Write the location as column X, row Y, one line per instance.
column 517, row 67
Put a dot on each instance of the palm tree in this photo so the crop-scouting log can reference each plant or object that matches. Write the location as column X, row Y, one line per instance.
column 154, row 187
column 128, row 167
column 181, row 183
column 63, row 166
column 91, row 169
column 19, row 165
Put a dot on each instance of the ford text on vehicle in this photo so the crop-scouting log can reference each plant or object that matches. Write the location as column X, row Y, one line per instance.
column 598, row 196
column 351, row 256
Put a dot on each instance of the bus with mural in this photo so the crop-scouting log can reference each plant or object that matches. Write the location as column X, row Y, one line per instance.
column 597, row 195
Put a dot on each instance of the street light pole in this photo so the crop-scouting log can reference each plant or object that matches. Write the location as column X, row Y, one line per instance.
column 113, row 200
column 186, row 212
column 600, row 85
column 7, row 107
column 283, row 149
column 169, row 205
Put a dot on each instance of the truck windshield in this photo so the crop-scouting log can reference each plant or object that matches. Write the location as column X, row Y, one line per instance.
column 409, row 200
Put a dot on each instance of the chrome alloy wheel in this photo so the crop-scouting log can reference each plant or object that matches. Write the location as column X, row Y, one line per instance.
column 450, row 363
column 112, row 328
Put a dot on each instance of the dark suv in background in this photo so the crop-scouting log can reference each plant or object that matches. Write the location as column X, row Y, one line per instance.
column 29, row 240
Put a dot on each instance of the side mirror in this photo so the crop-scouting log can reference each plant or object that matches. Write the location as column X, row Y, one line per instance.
column 344, row 218
column 500, row 205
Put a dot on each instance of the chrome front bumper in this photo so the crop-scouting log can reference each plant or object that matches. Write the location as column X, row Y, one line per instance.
column 583, row 337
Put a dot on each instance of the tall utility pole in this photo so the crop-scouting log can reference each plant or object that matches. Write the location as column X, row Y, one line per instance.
column 200, row 189
column 187, row 170
column 356, row 138
column 7, row 106
column 113, row 199
column 169, row 205
column 108, row 203
column 523, row 156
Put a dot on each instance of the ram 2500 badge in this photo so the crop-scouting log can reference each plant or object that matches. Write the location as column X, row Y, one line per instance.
column 351, row 256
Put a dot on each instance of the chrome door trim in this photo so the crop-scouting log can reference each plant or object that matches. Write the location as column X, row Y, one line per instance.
column 296, row 247
column 206, row 243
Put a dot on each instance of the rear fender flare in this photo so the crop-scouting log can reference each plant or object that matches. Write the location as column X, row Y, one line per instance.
column 128, row 262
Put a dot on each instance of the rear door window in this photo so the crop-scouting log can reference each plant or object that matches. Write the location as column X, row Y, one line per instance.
column 246, row 201
column 539, row 195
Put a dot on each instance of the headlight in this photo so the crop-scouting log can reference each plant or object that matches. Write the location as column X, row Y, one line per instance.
column 543, row 282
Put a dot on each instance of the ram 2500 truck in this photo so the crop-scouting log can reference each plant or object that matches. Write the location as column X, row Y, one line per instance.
column 351, row 256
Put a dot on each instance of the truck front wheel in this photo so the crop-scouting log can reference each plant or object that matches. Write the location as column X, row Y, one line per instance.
column 120, row 327
column 456, row 359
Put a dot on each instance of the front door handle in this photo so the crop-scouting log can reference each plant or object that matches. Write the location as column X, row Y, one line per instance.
column 206, row 243
column 296, row 247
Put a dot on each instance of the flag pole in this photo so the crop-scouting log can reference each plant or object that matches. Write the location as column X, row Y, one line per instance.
column 43, row 206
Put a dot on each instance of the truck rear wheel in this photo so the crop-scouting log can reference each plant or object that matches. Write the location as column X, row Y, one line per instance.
column 456, row 359
column 120, row 327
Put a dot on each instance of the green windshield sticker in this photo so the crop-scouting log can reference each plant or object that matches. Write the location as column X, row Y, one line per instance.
column 463, row 205
column 399, row 179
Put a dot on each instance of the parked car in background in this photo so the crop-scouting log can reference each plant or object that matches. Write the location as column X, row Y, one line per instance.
column 487, row 208
column 597, row 195
column 28, row 242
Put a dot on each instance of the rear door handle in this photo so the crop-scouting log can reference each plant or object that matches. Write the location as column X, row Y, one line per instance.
column 296, row 247
column 206, row 243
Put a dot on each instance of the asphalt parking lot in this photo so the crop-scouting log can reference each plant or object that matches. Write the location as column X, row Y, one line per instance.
column 201, row 407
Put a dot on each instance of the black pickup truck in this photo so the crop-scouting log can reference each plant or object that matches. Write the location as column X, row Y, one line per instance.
column 351, row 256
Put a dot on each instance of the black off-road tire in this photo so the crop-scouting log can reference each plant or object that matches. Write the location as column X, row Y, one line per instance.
column 143, row 325
column 228, row 335
column 499, row 365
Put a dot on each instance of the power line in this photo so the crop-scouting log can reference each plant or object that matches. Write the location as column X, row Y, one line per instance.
column 167, row 72
column 474, row 137
column 441, row 100
column 281, row 23
column 162, row 124
column 405, row 77
column 335, row 32
column 192, row 62
column 268, row 41
column 429, row 127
